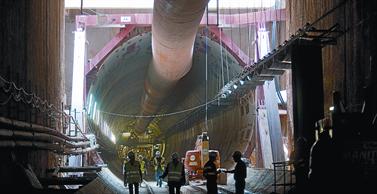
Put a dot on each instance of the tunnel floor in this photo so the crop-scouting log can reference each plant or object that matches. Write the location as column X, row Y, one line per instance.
column 258, row 181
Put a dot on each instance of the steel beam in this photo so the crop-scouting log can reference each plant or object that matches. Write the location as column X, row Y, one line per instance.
column 281, row 65
column 143, row 19
column 96, row 62
column 118, row 39
column 271, row 72
column 263, row 78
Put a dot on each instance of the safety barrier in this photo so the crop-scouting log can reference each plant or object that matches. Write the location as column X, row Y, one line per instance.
column 286, row 168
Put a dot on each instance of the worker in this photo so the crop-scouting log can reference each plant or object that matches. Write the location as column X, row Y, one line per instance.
column 132, row 173
column 176, row 174
column 210, row 173
column 158, row 163
column 239, row 172
column 323, row 164
column 142, row 165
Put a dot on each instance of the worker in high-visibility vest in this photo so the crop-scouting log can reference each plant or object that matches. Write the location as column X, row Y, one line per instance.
column 132, row 173
column 158, row 163
column 142, row 165
column 176, row 174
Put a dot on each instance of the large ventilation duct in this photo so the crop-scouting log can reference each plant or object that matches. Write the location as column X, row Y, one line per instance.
column 174, row 27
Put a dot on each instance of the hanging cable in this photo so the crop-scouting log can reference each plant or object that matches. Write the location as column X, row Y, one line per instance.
column 159, row 115
column 239, row 28
column 206, row 84
column 248, row 35
column 221, row 59
column 81, row 5
column 20, row 95
column 226, row 56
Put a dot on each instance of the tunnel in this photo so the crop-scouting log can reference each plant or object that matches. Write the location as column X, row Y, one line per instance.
column 85, row 83
column 112, row 94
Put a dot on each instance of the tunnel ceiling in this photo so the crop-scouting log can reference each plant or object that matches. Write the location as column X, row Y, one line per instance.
column 119, row 85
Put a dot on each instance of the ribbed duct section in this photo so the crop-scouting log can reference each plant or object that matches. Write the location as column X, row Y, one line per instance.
column 174, row 27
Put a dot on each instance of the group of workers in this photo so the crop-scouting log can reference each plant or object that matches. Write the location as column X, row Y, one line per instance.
column 174, row 170
column 175, row 173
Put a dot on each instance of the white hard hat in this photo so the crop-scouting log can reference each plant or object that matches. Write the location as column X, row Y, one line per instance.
column 158, row 153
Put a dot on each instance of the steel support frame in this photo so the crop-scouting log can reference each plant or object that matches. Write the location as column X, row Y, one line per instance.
column 118, row 39
column 96, row 62
column 145, row 19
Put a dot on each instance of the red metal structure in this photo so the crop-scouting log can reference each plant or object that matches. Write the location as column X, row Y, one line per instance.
column 118, row 39
column 145, row 19
column 171, row 58
column 96, row 62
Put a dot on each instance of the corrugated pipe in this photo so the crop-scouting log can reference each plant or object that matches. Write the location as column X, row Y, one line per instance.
column 36, row 136
column 174, row 27
column 45, row 146
column 30, row 144
column 38, row 128
column 81, row 151
column 22, row 135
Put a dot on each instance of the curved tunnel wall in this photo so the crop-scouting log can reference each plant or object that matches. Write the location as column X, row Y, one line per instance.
column 119, row 86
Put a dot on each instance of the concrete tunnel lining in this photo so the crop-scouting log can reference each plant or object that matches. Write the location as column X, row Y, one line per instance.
column 119, row 86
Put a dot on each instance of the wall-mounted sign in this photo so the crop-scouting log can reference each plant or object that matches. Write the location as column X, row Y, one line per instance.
column 125, row 19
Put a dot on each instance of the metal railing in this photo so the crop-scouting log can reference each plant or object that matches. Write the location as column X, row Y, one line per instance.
column 286, row 168
column 40, row 133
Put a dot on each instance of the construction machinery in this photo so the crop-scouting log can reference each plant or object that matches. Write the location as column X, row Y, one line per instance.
column 196, row 159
